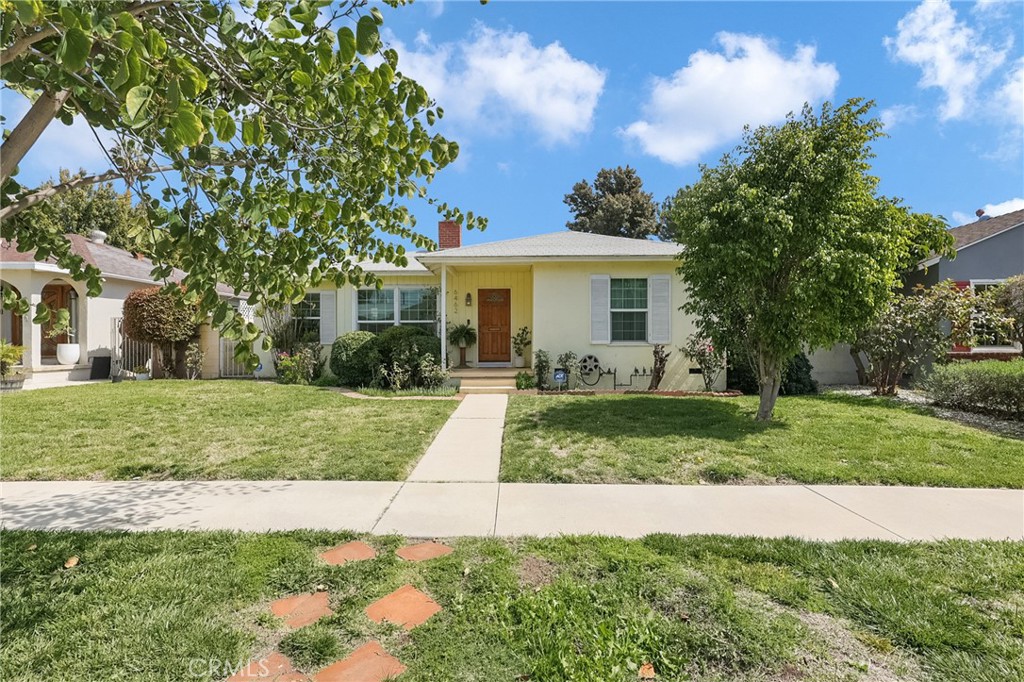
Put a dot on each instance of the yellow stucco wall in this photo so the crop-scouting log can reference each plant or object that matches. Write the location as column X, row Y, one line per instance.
column 553, row 300
column 562, row 320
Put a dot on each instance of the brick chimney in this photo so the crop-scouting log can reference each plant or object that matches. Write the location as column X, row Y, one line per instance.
column 449, row 235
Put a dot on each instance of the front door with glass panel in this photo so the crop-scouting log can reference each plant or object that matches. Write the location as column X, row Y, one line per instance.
column 495, row 321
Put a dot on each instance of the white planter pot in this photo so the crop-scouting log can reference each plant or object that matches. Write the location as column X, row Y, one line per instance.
column 142, row 376
column 518, row 361
column 68, row 353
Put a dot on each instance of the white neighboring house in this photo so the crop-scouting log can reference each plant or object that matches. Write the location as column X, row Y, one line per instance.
column 95, row 321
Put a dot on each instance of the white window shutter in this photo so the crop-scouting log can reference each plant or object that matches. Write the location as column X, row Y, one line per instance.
column 600, row 309
column 659, row 306
column 328, row 317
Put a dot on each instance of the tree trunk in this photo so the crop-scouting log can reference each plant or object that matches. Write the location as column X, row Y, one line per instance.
column 658, row 370
column 862, row 373
column 180, row 371
column 770, row 378
column 28, row 130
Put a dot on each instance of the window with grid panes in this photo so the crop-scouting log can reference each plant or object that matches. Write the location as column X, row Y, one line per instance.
column 629, row 309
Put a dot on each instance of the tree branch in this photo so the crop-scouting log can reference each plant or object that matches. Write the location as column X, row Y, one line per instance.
column 45, row 193
column 19, row 46
column 28, row 130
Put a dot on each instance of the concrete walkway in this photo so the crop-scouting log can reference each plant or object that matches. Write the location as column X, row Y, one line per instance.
column 426, row 509
column 468, row 446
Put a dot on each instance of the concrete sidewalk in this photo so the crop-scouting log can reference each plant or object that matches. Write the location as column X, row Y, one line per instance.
column 442, row 509
column 468, row 446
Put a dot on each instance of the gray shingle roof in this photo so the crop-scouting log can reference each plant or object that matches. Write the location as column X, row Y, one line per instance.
column 968, row 234
column 565, row 244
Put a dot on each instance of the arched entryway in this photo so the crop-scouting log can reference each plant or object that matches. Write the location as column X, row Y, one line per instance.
column 59, row 295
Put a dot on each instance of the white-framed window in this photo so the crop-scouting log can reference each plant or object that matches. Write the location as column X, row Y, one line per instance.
column 307, row 315
column 988, row 339
column 378, row 309
column 628, row 309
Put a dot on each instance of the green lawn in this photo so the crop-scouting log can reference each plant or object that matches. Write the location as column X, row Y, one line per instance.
column 211, row 430
column 144, row 606
column 816, row 439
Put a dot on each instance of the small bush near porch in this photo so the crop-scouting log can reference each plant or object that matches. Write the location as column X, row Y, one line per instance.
column 212, row 430
column 815, row 439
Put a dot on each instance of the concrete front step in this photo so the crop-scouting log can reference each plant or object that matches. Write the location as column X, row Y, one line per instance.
column 489, row 372
column 495, row 390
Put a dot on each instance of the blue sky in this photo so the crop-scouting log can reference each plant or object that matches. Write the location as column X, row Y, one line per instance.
column 543, row 94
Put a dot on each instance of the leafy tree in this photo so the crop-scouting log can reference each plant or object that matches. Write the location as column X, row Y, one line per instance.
column 912, row 327
column 156, row 316
column 787, row 244
column 1009, row 298
column 272, row 148
column 615, row 205
column 93, row 207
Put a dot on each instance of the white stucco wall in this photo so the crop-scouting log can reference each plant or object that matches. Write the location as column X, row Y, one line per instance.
column 833, row 365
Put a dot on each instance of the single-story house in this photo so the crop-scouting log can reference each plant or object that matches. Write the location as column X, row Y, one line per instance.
column 95, row 321
column 608, row 299
column 988, row 251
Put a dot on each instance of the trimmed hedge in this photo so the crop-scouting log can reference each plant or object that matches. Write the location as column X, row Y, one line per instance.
column 351, row 357
column 796, row 379
column 989, row 386
column 153, row 316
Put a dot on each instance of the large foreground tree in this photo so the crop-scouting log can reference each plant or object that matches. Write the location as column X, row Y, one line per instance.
column 787, row 244
column 274, row 143
column 616, row 204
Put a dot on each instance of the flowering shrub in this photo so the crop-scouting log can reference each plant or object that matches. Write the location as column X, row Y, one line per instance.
column 301, row 367
column 707, row 357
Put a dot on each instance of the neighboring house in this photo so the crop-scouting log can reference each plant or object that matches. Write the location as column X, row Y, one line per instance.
column 95, row 321
column 609, row 297
column 988, row 251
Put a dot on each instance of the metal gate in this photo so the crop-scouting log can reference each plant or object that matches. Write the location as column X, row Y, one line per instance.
column 229, row 367
column 126, row 354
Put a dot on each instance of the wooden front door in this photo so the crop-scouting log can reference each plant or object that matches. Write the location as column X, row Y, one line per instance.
column 55, row 296
column 495, row 344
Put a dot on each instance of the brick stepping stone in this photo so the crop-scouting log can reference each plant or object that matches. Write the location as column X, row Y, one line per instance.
column 424, row 551
column 350, row 551
column 302, row 609
column 406, row 606
column 368, row 663
column 273, row 668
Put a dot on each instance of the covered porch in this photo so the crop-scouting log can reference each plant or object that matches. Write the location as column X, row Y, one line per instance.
column 496, row 301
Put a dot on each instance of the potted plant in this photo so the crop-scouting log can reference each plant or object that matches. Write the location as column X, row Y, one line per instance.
column 462, row 335
column 11, row 378
column 141, row 373
column 520, row 342
column 68, row 353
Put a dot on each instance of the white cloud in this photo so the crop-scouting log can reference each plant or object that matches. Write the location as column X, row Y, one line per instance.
column 707, row 102
column 500, row 79
column 898, row 114
column 992, row 210
column 952, row 55
column 1010, row 97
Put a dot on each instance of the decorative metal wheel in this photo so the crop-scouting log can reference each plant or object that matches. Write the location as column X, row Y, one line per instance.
column 590, row 364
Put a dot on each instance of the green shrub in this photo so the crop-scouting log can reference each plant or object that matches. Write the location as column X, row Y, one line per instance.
column 304, row 366
column 542, row 368
column 989, row 386
column 400, row 361
column 796, row 380
column 525, row 381
column 353, row 358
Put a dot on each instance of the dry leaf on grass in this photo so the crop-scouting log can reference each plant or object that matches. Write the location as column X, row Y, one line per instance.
column 646, row 672
column 32, row 548
column 71, row 562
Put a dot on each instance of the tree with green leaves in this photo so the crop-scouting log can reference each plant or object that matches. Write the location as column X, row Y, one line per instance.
column 273, row 143
column 1008, row 297
column 787, row 244
column 616, row 204
column 93, row 207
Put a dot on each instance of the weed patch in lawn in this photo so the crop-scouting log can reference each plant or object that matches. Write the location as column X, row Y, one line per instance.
column 139, row 606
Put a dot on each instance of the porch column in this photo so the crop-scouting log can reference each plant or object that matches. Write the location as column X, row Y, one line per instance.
column 444, row 316
column 32, row 334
